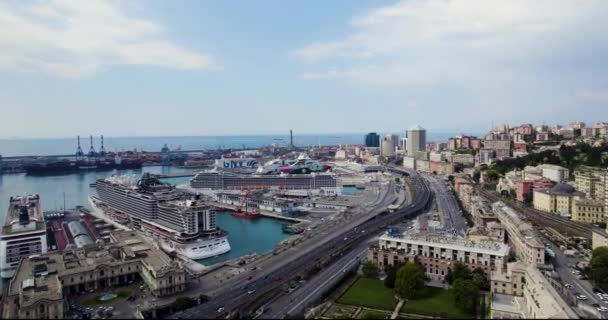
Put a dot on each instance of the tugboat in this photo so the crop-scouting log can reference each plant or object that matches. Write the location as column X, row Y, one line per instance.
column 246, row 213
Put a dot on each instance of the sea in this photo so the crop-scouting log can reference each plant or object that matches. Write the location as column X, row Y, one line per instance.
column 64, row 146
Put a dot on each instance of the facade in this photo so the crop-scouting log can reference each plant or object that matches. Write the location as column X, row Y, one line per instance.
column 521, row 236
column 438, row 252
column 500, row 143
column 591, row 181
column 41, row 282
column 555, row 173
column 464, row 142
column 542, row 137
column 463, row 158
column 486, row 156
column 521, row 291
column 589, row 211
column 23, row 233
column 559, row 199
column 416, row 140
column 372, row 140
column 388, row 146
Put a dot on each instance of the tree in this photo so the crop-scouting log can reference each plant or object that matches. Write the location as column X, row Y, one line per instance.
column 391, row 275
column 492, row 174
column 460, row 272
column 466, row 294
column 599, row 267
column 480, row 279
column 476, row 176
column 410, row 280
column 369, row 269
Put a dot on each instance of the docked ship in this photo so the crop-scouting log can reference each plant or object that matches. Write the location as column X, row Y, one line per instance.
column 302, row 165
column 243, row 210
column 180, row 223
column 23, row 233
column 72, row 166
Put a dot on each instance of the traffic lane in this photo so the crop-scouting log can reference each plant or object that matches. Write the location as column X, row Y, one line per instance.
column 561, row 263
column 302, row 295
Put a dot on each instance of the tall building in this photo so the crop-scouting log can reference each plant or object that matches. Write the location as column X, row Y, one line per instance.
column 416, row 140
column 372, row 140
column 388, row 146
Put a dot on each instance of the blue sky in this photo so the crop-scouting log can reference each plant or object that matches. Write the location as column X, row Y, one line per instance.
column 198, row 67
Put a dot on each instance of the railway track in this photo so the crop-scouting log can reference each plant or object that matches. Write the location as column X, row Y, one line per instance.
column 545, row 219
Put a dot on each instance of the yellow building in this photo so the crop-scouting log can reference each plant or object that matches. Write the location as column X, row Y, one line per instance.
column 589, row 211
column 559, row 199
column 591, row 181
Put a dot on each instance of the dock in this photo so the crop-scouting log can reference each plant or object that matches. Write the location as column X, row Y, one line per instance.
column 264, row 213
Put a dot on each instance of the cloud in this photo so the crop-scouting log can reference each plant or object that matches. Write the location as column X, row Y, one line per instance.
column 431, row 41
column 73, row 38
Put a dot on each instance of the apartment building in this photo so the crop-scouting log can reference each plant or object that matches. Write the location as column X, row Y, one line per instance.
column 521, row 236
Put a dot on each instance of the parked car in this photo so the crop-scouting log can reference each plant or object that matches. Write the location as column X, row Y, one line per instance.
column 569, row 286
column 581, row 297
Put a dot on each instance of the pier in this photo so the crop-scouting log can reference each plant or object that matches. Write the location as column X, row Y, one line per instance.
column 262, row 212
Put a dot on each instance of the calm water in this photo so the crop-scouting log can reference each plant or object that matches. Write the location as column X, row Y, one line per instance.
column 20, row 147
column 245, row 236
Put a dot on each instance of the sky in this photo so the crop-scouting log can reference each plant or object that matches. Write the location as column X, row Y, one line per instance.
column 202, row 67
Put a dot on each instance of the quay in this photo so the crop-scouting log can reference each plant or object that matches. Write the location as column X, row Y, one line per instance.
column 265, row 213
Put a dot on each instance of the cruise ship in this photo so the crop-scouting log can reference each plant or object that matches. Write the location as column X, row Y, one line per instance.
column 180, row 224
column 23, row 233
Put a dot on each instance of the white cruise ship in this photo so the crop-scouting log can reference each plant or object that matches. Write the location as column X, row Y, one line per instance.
column 23, row 233
column 182, row 225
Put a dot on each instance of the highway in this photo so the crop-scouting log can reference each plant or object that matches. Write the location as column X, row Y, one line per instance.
column 453, row 221
column 233, row 298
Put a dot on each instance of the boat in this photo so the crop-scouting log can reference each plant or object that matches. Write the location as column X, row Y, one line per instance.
column 274, row 166
column 23, row 233
column 179, row 223
column 243, row 210
column 73, row 166
column 304, row 165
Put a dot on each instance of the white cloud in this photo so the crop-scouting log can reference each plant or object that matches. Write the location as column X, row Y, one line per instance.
column 428, row 41
column 74, row 38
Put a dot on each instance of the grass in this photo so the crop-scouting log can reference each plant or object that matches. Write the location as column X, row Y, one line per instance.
column 340, row 312
column 369, row 293
column 373, row 314
column 436, row 302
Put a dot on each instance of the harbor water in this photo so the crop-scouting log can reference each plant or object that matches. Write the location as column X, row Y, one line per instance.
column 245, row 236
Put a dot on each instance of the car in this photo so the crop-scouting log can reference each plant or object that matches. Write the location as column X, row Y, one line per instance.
column 220, row 309
column 249, row 278
column 569, row 286
column 576, row 272
column 581, row 297
column 602, row 309
column 250, row 291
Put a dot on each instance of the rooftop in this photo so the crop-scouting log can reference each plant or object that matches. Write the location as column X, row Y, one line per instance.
column 451, row 242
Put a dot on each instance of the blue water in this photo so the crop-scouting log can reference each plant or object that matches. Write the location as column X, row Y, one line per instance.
column 350, row 190
column 21, row 147
column 259, row 235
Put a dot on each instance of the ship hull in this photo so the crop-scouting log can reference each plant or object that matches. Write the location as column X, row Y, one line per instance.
column 246, row 215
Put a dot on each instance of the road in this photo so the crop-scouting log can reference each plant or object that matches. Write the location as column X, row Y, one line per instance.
column 296, row 301
column 562, row 264
column 232, row 298
column 453, row 221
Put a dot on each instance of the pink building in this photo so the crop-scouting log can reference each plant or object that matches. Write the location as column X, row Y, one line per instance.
column 542, row 136
column 520, row 146
column 544, row 183
column 587, row 132
column 523, row 188
column 464, row 142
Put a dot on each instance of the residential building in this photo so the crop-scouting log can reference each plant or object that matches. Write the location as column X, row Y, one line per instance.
column 500, row 143
column 576, row 125
column 41, row 283
column 486, row 156
column 466, row 159
column 589, row 211
column 591, row 181
column 372, row 140
column 416, row 140
column 587, row 133
column 437, row 253
column 542, row 137
column 559, row 199
column 443, row 168
column 521, row 291
column 521, row 236
column 464, row 142
column 524, row 190
column 555, row 173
